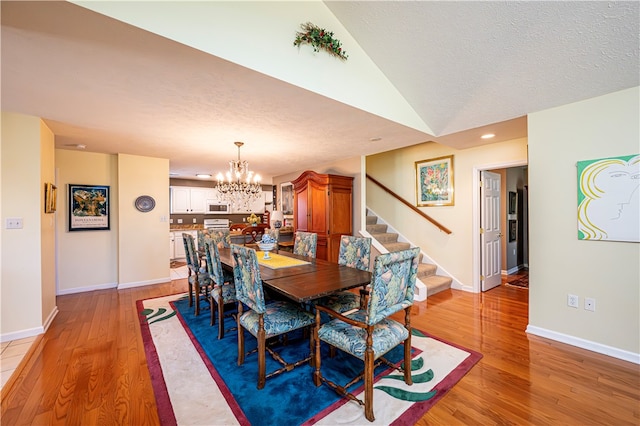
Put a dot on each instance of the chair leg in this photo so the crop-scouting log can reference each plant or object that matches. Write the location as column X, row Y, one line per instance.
column 317, row 376
column 220, row 317
column 261, row 357
column 212, row 302
column 240, row 336
column 407, row 360
column 190, row 295
column 368, row 384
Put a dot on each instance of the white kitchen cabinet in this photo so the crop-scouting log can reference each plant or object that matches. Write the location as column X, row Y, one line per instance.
column 186, row 199
column 178, row 243
column 172, row 252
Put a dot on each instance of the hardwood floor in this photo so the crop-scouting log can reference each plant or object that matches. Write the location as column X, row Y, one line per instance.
column 90, row 367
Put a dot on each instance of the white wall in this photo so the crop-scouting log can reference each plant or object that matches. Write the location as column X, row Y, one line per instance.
column 87, row 260
column 143, row 244
column 26, row 273
column 560, row 264
column 396, row 170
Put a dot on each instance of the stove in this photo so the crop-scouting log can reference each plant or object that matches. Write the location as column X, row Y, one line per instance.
column 216, row 223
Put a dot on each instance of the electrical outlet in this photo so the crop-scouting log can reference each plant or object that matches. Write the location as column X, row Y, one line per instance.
column 179, row 220
column 194, row 220
column 14, row 223
column 573, row 300
column 590, row 304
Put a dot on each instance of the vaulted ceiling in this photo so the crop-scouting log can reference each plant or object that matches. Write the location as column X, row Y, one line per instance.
column 458, row 69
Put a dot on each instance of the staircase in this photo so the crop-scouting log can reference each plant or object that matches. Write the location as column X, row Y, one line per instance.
column 426, row 271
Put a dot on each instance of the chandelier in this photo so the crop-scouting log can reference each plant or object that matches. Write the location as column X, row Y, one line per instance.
column 241, row 186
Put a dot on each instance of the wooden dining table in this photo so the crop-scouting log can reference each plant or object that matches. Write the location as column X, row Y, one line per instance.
column 307, row 282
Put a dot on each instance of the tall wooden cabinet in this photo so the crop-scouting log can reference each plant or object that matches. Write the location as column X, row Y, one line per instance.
column 323, row 204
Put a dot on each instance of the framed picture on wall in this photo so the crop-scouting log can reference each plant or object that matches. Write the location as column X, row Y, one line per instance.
column 286, row 198
column 88, row 207
column 513, row 199
column 50, row 196
column 513, row 230
column 434, row 182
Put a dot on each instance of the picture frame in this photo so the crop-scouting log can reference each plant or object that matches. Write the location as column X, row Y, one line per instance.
column 286, row 198
column 89, row 207
column 50, row 197
column 513, row 230
column 513, row 200
column 434, row 182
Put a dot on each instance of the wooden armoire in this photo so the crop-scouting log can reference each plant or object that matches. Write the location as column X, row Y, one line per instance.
column 323, row 204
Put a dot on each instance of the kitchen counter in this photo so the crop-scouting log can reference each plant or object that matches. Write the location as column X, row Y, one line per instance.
column 186, row 227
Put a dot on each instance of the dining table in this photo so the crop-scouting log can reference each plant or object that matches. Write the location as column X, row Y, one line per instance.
column 306, row 280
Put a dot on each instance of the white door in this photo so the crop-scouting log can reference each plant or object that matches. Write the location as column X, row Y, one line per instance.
column 490, row 233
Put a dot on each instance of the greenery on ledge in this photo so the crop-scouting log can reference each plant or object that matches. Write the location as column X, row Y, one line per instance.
column 320, row 39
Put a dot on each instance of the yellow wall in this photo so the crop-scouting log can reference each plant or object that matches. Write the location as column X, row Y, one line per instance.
column 27, row 272
column 561, row 264
column 87, row 260
column 396, row 170
column 143, row 242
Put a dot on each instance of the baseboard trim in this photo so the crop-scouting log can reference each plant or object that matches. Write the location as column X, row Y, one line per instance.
column 143, row 283
column 585, row 344
column 22, row 334
column 75, row 290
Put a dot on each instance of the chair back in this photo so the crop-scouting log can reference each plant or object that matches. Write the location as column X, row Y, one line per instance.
column 214, row 266
column 275, row 234
column 246, row 274
column 190, row 252
column 305, row 244
column 203, row 234
column 237, row 226
column 392, row 283
column 221, row 237
column 355, row 252
column 253, row 234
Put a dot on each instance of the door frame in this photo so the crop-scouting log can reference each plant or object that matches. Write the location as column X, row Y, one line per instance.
column 477, row 288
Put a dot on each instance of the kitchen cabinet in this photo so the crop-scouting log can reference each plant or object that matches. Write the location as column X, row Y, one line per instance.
column 323, row 204
column 185, row 199
column 172, row 252
column 178, row 243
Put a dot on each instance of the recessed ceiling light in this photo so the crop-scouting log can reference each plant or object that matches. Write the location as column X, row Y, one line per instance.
column 76, row 145
column 202, row 175
column 376, row 139
column 487, row 136
column 174, row 174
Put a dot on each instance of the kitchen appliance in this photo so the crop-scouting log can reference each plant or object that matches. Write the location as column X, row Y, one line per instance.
column 217, row 207
column 216, row 223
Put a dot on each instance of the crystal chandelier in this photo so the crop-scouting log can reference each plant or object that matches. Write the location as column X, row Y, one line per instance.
column 241, row 186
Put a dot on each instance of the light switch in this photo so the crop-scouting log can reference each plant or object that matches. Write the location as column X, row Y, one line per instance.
column 14, row 223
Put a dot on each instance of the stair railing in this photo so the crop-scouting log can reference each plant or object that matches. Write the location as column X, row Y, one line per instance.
column 411, row 206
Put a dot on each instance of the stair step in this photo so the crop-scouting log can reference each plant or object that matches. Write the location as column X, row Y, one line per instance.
column 386, row 237
column 378, row 228
column 436, row 284
column 426, row 270
column 372, row 220
column 396, row 246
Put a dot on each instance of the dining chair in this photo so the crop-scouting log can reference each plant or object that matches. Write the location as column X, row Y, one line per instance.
column 263, row 321
column 355, row 252
column 253, row 234
column 305, row 244
column 370, row 333
column 237, row 226
column 223, row 291
column 198, row 278
column 221, row 236
column 275, row 234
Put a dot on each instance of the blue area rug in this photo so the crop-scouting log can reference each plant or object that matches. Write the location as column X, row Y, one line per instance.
column 290, row 398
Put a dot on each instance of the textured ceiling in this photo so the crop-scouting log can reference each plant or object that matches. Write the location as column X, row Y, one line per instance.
column 464, row 67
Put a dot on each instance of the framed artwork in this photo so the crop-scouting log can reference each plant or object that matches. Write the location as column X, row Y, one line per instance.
column 88, row 207
column 513, row 230
column 513, row 199
column 434, row 182
column 286, row 198
column 609, row 199
column 50, row 197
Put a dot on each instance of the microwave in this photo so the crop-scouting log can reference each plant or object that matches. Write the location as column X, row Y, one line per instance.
column 217, row 207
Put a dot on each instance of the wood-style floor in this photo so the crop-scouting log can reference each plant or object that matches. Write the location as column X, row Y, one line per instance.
column 90, row 367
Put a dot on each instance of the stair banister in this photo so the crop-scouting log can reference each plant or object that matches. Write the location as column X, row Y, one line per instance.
column 411, row 206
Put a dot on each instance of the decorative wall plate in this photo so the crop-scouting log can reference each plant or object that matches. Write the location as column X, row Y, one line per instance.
column 145, row 203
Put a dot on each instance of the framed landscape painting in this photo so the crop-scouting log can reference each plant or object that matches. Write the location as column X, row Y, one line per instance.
column 88, row 207
column 434, row 182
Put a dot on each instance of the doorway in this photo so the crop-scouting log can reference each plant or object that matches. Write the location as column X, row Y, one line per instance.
column 513, row 256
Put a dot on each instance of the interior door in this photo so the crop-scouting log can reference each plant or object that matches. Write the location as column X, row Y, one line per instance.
column 490, row 232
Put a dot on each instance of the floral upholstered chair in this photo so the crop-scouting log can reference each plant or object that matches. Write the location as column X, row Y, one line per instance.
column 223, row 291
column 355, row 252
column 305, row 244
column 198, row 279
column 369, row 333
column 261, row 320
column 275, row 234
column 221, row 237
